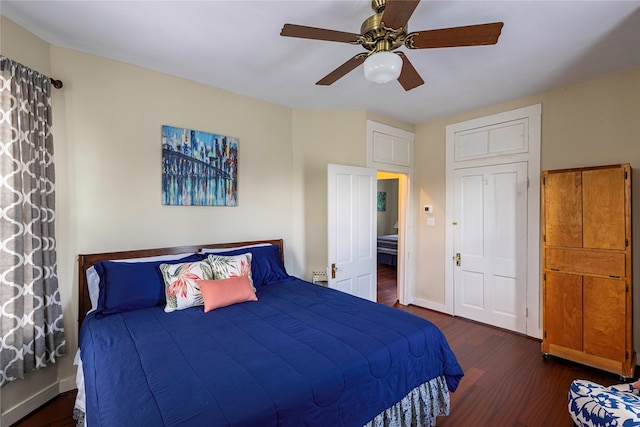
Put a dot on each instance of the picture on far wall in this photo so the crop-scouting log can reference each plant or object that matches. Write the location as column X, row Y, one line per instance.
column 382, row 201
column 198, row 168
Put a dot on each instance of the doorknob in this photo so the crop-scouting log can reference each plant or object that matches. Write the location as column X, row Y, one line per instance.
column 333, row 270
column 457, row 258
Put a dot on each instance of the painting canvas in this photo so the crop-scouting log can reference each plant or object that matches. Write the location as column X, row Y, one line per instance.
column 198, row 168
column 382, row 201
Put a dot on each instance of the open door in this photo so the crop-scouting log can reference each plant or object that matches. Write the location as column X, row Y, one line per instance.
column 351, row 200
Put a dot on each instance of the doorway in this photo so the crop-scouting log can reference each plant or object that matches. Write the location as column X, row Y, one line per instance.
column 477, row 149
column 387, row 238
column 390, row 152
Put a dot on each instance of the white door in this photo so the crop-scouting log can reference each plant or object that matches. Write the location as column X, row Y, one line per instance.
column 490, row 245
column 352, row 230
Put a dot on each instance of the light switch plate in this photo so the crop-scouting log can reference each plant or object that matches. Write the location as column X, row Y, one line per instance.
column 431, row 222
column 428, row 209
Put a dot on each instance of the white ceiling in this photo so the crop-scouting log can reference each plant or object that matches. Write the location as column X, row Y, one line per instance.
column 235, row 45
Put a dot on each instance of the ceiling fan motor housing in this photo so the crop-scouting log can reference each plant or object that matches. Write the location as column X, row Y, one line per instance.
column 378, row 38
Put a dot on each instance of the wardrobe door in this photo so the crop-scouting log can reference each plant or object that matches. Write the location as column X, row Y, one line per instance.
column 604, row 208
column 563, row 310
column 605, row 317
column 563, row 209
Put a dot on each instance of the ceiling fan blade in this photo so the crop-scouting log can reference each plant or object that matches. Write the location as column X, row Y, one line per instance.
column 397, row 12
column 342, row 70
column 292, row 30
column 471, row 35
column 409, row 77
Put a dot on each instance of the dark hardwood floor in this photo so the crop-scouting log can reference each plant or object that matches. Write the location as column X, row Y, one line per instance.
column 507, row 383
column 387, row 285
column 57, row 413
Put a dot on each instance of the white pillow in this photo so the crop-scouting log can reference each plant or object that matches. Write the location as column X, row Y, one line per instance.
column 182, row 289
column 226, row 266
column 93, row 280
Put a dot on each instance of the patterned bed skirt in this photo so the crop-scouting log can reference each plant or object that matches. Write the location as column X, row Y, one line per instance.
column 419, row 408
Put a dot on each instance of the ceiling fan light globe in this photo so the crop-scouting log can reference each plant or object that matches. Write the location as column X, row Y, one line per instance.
column 382, row 67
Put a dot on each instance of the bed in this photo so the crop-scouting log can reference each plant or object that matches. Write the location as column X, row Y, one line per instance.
column 294, row 354
column 388, row 249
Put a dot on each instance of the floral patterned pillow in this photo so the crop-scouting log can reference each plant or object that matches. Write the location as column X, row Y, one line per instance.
column 181, row 284
column 226, row 266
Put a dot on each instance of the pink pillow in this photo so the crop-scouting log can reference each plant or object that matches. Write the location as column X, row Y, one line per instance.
column 224, row 292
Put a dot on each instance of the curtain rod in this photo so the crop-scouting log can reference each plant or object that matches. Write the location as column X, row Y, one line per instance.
column 56, row 83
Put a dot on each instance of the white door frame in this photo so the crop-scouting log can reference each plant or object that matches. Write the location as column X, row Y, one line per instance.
column 532, row 116
column 384, row 158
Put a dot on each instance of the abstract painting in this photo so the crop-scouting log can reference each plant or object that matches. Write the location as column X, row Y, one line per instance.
column 198, row 168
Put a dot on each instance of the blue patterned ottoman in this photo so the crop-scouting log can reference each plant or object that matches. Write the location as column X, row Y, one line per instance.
column 594, row 405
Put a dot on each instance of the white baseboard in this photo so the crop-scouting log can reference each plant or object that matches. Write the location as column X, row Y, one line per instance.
column 24, row 408
column 67, row 384
column 429, row 305
column 21, row 410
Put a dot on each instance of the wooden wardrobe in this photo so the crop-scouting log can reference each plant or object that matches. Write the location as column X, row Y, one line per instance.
column 586, row 261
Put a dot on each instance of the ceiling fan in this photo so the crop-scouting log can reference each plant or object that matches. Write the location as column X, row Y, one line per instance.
column 386, row 31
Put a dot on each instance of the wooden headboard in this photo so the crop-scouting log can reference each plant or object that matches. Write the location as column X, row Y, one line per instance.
column 86, row 261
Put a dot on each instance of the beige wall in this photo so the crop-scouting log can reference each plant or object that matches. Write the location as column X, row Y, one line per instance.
column 592, row 123
column 322, row 137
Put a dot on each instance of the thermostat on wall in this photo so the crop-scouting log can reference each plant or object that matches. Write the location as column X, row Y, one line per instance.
column 428, row 209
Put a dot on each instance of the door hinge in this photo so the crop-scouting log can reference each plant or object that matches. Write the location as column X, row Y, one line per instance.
column 544, row 276
column 626, row 353
column 527, row 182
column 526, row 312
column 544, row 334
column 544, row 238
column 544, row 180
column 626, row 175
column 626, row 242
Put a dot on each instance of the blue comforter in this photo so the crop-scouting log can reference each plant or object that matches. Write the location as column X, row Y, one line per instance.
column 302, row 355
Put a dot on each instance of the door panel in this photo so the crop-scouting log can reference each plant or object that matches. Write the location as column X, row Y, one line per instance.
column 351, row 200
column 490, row 236
column 604, row 219
column 563, row 323
column 563, row 209
column 604, row 317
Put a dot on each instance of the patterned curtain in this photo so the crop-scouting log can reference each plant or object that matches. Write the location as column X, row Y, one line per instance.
column 31, row 327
